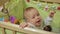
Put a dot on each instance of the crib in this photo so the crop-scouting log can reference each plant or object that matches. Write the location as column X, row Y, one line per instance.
column 8, row 28
column 15, row 28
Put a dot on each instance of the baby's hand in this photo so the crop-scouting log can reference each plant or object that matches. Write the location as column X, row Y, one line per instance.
column 23, row 25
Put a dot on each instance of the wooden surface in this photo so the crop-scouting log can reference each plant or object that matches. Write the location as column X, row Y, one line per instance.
column 3, row 31
column 56, row 1
column 14, row 32
column 25, row 30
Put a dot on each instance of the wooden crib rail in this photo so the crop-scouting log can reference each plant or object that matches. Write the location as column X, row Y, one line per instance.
column 53, row 1
column 15, row 28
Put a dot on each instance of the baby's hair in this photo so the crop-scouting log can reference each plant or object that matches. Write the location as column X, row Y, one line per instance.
column 28, row 10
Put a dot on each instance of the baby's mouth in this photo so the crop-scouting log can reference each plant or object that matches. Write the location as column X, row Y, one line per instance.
column 38, row 21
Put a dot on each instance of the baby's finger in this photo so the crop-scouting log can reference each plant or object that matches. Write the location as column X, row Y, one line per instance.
column 23, row 25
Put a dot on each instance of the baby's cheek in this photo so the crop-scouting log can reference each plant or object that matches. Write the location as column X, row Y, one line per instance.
column 31, row 21
column 34, row 21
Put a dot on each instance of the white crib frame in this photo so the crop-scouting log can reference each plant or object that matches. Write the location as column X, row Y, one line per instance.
column 15, row 28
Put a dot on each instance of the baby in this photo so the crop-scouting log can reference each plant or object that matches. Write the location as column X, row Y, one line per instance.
column 32, row 18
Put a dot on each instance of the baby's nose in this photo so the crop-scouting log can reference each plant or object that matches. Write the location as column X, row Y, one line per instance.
column 38, row 17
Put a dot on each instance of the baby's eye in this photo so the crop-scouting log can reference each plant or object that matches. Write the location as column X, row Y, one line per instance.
column 33, row 17
column 37, row 14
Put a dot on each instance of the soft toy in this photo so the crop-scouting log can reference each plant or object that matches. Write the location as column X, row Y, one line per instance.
column 46, row 8
column 12, row 18
column 2, row 19
column 16, row 21
column 28, row 0
column 6, row 20
column 58, row 8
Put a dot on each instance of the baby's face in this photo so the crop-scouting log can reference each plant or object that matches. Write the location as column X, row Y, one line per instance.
column 34, row 17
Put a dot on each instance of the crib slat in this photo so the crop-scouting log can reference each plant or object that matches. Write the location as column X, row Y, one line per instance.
column 3, row 31
column 14, row 32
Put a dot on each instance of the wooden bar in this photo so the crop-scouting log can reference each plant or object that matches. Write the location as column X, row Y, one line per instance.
column 3, row 31
column 14, row 32
column 53, row 1
column 14, row 27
